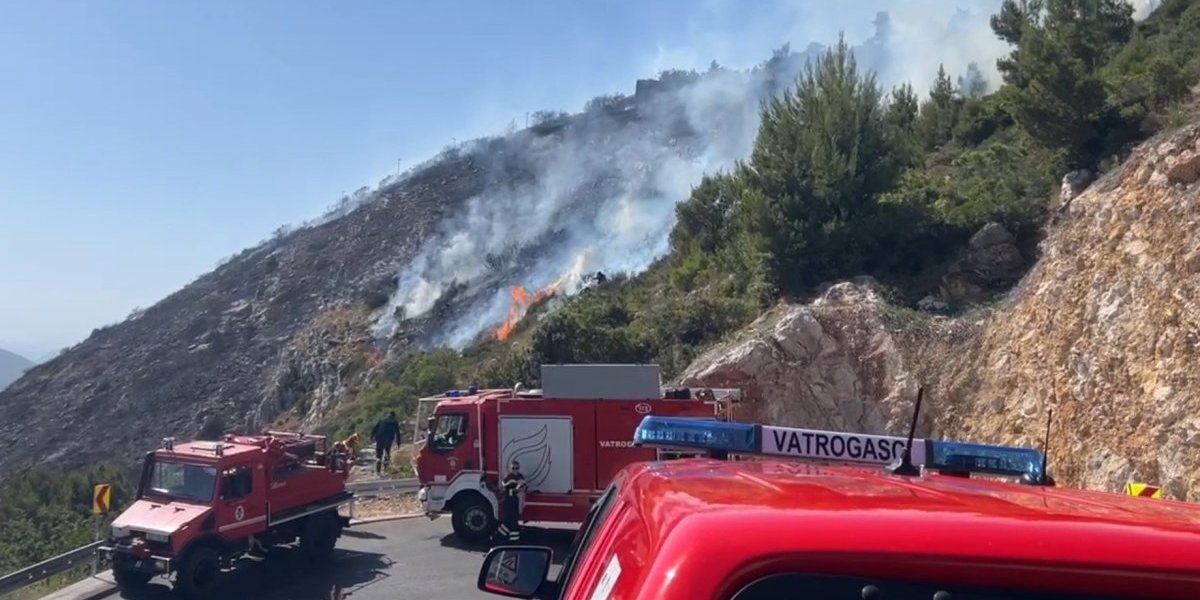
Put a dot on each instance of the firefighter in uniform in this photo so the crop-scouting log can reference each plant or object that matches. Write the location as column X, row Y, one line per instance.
column 513, row 486
column 386, row 434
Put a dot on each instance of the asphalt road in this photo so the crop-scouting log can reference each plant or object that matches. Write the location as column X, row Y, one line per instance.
column 412, row 559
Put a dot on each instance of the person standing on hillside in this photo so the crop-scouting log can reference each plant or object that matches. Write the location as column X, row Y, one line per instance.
column 386, row 433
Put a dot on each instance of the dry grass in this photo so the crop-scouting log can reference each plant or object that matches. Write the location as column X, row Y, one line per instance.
column 383, row 506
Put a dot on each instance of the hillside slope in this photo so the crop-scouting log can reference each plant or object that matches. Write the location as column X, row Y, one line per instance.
column 1104, row 331
column 11, row 367
column 283, row 333
column 213, row 349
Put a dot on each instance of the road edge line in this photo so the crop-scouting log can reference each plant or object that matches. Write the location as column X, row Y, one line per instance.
column 384, row 518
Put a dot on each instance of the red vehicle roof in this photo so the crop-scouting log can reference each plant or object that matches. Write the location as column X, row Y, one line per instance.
column 801, row 516
column 206, row 450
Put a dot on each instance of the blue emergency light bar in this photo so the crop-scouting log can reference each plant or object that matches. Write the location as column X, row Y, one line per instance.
column 749, row 438
column 961, row 457
column 675, row 432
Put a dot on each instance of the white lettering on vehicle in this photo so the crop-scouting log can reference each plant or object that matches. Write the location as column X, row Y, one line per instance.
column 879, row 449
column 608, row 580
column 616, row 443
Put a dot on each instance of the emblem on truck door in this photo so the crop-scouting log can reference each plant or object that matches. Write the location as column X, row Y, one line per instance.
column 642, row 408
column 239, row 513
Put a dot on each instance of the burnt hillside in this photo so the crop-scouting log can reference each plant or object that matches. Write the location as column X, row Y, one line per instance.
column 291, row 332
column 285, row 326
column 209, row 349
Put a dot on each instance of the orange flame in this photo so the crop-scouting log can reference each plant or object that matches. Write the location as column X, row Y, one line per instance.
column 521, row 301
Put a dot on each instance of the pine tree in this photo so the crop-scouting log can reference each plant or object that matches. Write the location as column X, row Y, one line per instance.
column 823, row 152
column 939, row 114
column 1058, row 96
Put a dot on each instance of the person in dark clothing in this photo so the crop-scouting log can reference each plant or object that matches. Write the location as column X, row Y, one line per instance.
column 513, row 484
column 386, row 433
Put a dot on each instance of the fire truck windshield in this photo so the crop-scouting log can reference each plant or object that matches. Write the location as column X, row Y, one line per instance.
column 449, row 430
column 183, row 481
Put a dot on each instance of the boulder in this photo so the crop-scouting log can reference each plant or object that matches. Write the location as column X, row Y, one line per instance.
column 992, row 261
column 831, row 364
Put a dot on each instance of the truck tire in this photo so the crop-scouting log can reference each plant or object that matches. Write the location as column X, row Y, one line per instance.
column 198, row 573
column 319, row 535
column 472, row 518
column 129, row 581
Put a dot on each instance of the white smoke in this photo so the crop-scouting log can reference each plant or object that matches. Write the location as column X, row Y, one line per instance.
column 603, row 200
column 1143, row 8
column 603, row 197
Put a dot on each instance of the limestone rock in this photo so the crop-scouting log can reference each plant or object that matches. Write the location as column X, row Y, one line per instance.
column 830, row 364
column 991, row 261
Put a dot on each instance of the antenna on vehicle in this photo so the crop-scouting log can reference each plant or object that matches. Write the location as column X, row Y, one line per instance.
column 1046, row 449
column 905, row 465
column 1044, row 478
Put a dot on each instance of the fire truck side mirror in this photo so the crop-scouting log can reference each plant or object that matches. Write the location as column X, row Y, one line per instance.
column 429, row 425
column 515, row 571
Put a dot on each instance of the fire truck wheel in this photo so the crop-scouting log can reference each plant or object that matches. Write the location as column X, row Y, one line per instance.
column 472, row 518
column 198, row 573
column 320, row 535
column 131, row 580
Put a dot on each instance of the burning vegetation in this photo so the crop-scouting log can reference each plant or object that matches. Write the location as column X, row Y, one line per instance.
column 521, row 301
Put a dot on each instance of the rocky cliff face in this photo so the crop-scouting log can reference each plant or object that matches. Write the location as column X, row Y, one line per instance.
column 1104, row 331
column 848, row 361
column 829, row 364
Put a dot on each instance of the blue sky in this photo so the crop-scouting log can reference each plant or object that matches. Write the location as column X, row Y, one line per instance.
column 143, row 141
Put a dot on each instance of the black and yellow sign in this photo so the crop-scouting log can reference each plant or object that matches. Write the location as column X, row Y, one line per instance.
column 1143, row 490
column 101, row 499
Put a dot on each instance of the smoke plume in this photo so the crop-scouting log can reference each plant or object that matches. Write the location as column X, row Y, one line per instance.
column 597, row 191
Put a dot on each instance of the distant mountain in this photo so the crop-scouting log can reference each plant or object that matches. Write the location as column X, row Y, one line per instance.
column 11, row 367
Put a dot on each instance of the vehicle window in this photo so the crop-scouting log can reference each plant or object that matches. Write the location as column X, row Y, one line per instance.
column 665, row 454
column 238, row 483
column 449, row 430
column 828, row 587
column 179, row 480
column 583, row 539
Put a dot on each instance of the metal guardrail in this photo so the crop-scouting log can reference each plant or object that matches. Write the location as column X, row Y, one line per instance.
column 384, row 485
column 79, row 557
column 86, row 555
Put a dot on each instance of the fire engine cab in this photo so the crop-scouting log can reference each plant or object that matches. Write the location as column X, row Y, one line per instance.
column 938, row 519
column 570, row 438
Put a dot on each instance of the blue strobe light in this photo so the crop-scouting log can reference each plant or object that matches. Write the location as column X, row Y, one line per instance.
column 961, row 457
column 684, row 432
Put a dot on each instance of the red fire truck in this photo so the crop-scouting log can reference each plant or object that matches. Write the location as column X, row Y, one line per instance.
column 570, row 437
column 947, row 520
column 202, row 504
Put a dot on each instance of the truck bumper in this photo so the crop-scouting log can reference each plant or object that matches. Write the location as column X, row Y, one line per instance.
column 429, row 503
column 121, row 557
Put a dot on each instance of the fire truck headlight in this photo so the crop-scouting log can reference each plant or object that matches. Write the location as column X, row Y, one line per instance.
column 422, row 494
column 158, row 537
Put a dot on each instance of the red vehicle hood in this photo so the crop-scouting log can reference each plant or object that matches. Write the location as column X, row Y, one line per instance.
column 159, row 517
